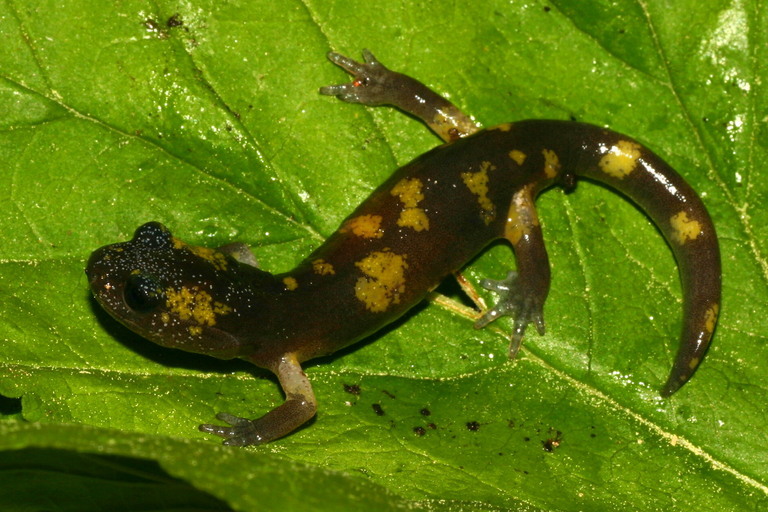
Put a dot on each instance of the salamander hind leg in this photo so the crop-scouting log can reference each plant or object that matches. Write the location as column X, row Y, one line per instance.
column 521, row 294
column 298, row 408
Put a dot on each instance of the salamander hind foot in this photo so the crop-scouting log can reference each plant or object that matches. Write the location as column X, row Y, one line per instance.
column 518, row 301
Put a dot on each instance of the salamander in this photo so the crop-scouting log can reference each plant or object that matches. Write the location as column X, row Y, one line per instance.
column 422, row 224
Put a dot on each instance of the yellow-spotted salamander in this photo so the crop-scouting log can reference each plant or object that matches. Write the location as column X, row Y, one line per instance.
column 425, row 222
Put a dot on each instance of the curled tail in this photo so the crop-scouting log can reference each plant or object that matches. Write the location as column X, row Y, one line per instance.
column 678, row 212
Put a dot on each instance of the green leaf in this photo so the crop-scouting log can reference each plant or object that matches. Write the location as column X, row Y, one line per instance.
column 112, row 116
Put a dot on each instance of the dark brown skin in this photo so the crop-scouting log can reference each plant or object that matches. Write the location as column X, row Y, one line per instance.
column 424, row 223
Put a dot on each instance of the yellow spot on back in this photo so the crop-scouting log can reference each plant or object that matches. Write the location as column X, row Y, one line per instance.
column 477, row 183
column 551, row 163
column 409, row 193
column 322, row 267
column 290, row 283
column 414, row 218
column 693, row 363
column 194, row 304
column 364, row 226
column 383, row 281
column 212, row 256
column 620, row 160
column 683, row 228
column 710, row 318
column 518, row 156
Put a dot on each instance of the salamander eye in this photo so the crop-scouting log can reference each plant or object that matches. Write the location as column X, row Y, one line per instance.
column 153, row 235
column 143, row 293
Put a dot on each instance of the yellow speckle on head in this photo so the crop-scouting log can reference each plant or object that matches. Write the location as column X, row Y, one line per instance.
column 551, row 163
column 683, row 228
column 290, row 283
column 477, row 183
column 503, row 127
column 620, row 159
column 710, row 317
column 408, row 190
column 383, row 280
column 192, row 303
column 216, row 258
column 518, row 156
column 322, row 268
column 522, row 216
column 165, row 318
column 364, row 226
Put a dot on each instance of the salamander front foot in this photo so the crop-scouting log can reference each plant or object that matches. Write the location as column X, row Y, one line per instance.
column 298, row 408
column 518, row 301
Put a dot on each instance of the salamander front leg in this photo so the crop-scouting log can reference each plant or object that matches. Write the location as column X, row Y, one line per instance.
column 521, row 294
column 298, row 408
